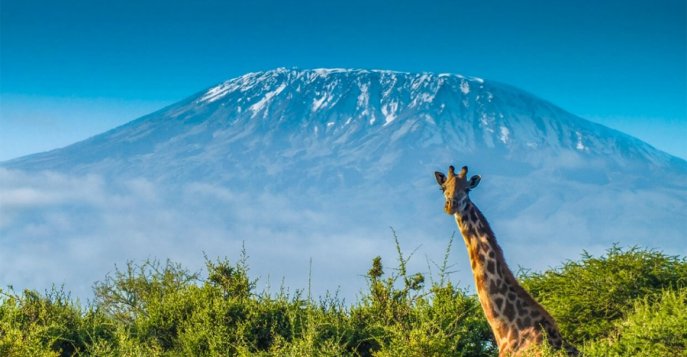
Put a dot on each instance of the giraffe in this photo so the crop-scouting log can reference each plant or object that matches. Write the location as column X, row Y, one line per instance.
column 516, row 319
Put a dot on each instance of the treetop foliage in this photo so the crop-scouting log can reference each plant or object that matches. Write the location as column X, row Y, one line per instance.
column 627, row 302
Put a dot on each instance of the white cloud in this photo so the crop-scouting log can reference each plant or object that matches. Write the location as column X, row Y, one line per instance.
column 73, row 229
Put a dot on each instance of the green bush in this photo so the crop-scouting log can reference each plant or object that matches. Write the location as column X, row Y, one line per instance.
column 625, row 303
column 32, row 324
column 651, row 328
column 405, row 319
column 587, row 297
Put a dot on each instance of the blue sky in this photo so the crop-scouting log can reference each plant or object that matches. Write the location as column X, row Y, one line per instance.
column 73, row 68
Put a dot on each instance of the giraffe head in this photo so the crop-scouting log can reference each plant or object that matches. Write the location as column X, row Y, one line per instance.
column 456, row 188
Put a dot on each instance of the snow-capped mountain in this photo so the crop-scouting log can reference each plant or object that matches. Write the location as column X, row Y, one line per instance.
column 282, row 118
column 324, row 160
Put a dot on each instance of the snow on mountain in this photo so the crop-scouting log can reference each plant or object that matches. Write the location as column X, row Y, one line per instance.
column 349, row 115
column 318, row 163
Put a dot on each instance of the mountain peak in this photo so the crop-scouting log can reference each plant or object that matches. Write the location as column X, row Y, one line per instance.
column 364, row 115
column 284, row 75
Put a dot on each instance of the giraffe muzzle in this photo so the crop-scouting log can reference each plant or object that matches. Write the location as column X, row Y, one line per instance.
column 448, row 206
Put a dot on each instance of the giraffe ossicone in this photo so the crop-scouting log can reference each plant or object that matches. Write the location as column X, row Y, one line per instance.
column 518, row 322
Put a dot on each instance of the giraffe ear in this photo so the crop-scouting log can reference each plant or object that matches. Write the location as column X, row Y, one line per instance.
column 474, row 181
column 441, row 178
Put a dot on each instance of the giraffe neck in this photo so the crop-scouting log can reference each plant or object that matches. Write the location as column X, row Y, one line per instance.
column 516, row 319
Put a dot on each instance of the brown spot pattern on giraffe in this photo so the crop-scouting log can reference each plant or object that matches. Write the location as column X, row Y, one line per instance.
column 498, row 302
column 490, row 266
column 473, row 215
column 493, row 288
column 509, row 311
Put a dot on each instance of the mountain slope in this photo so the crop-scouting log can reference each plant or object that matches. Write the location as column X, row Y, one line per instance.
column 353, row 117
column 318, row 164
